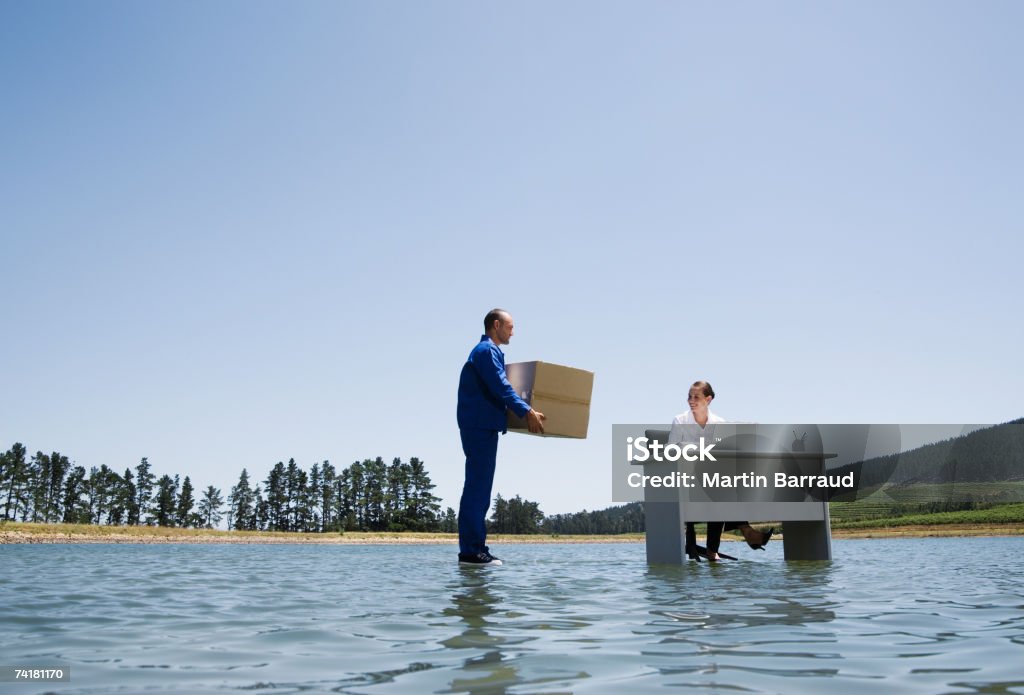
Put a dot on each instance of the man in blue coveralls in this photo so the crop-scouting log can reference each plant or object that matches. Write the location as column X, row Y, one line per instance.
column 484, row 394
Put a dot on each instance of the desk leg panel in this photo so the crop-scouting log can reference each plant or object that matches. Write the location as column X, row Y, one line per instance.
column 807, row 540
column 664, row 532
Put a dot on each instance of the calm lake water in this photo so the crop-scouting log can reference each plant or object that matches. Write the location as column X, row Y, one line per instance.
column 886, row 616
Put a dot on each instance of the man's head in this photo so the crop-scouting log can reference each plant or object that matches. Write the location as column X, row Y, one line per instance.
column 498, row 326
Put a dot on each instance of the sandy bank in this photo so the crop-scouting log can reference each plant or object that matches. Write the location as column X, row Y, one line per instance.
column 38, row 533
column 66, row 533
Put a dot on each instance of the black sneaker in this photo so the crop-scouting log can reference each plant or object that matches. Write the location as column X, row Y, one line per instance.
column 478, row 559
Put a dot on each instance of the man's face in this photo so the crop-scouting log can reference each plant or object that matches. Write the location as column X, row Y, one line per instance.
column 503, row 332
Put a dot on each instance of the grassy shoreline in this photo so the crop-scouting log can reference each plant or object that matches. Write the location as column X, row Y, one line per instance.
column 21, row 533
column 24, row 532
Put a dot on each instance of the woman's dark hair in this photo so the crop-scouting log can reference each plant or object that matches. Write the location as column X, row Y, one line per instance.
column 705, row 388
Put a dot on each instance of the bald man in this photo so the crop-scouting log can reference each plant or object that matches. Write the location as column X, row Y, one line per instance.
column 484, row 397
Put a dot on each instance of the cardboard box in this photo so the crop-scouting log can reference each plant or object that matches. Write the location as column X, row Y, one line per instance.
column 561, row 393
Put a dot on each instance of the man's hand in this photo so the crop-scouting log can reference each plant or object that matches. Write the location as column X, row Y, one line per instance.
column 535, row 421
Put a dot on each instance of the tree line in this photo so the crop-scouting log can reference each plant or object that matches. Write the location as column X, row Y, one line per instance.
column 366, row 496
column 519, row 516
column 625, row 518
column 48, row 488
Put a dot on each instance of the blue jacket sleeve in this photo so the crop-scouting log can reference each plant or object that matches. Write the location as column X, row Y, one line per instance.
column 488, row 365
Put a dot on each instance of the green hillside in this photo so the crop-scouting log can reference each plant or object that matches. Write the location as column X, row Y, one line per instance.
column 921, row 498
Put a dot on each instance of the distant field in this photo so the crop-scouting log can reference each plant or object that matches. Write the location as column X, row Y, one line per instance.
column 900, row 500
column 1003, row 514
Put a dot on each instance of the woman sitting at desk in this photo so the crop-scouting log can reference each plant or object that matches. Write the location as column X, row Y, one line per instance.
column 690, row 426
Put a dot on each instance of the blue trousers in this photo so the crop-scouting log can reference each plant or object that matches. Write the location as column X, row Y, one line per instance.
column 481, row 449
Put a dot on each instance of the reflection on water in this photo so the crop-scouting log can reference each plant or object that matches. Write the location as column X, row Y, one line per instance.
column 499, row 637
column 925, row 615
column 473, row 602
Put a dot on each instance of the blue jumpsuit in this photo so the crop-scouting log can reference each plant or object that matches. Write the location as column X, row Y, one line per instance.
column 484, row 395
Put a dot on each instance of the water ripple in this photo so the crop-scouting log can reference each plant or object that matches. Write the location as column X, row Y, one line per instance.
column 556, row 618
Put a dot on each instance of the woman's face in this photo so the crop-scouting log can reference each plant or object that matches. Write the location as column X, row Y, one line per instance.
column 697, row 400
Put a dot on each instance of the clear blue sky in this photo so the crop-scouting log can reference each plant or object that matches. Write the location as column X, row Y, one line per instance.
column 234, row 233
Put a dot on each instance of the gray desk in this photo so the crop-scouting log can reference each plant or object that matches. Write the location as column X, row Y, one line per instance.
column 808, row 535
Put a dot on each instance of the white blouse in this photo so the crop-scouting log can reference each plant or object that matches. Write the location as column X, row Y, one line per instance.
column 686, row 429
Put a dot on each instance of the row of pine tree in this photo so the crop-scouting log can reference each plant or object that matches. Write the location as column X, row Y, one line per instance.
column 368, row 495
